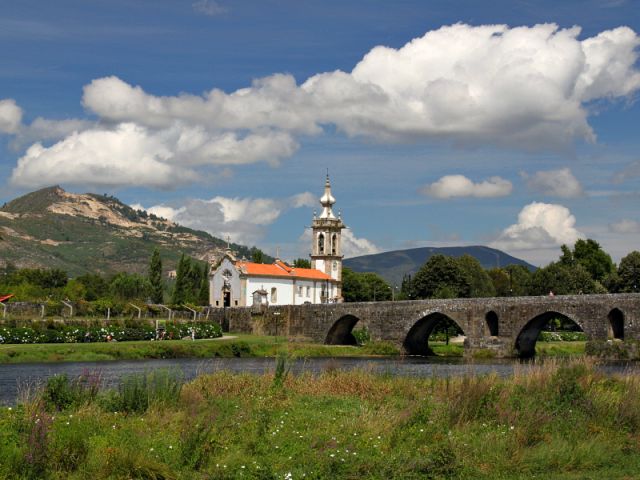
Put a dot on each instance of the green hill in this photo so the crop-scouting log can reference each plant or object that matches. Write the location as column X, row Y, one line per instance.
column 392, row 266
column 80, row 233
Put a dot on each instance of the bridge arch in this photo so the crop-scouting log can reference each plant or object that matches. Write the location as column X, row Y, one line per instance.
column 491, row 321
column 616, row 324
column 341, row 332
column 417, row 340
column 525, row 345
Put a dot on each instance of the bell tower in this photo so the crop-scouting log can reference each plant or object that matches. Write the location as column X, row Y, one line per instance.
column 326, row 249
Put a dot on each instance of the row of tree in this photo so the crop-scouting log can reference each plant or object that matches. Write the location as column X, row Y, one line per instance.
column 585, row 268
column 191, row 285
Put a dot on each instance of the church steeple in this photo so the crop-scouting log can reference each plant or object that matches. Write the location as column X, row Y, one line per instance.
column 326, row 250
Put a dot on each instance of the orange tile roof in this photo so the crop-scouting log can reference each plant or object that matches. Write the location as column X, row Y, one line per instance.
column 281, row 269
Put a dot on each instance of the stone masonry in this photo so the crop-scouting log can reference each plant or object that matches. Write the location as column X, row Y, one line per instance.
column 505, row 326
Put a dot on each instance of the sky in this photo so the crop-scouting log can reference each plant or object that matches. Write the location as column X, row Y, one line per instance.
column 512, row 124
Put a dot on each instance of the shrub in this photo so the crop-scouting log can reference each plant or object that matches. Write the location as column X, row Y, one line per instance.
column 137, row 393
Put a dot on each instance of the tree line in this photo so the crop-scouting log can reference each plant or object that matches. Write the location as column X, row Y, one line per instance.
column 584, row 269
column 191, row 284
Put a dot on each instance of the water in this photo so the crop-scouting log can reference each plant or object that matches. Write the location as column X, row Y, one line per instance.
column 14, row 378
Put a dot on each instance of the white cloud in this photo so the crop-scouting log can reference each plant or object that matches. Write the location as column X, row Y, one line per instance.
column 10, row 116
column 540, row 226
column 210, row 8
column 523, row 87
column 559, row 183
column 243, row 219
column 451, row 186
column 353, row 246
column 124, row 156
column 625, row 226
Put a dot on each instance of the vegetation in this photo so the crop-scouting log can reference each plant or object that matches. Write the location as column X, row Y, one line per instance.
column 155, row 278
column 364, row 287
column 301, row 263
column 556, row 420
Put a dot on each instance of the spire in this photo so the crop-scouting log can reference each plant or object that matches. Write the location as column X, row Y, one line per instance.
column 327, row 201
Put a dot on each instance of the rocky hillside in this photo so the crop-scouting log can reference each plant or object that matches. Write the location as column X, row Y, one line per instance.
column 392, row 266
column 83, row 233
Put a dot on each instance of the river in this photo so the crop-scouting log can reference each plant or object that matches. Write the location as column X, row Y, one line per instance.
column 15, row 378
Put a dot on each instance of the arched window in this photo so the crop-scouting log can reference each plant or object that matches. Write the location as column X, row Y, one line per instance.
column 334, row 244
column 274, row 295
column 321, row 243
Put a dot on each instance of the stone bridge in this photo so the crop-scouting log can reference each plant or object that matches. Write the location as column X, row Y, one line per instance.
column 507, row 326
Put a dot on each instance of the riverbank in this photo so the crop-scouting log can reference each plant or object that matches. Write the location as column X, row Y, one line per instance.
column 552, row 421
column 240, row 345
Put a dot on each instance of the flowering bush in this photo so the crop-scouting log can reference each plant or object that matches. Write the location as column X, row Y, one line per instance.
column 562, row 336
column 77, row 334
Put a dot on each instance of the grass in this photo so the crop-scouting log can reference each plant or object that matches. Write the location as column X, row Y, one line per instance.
column 557, row 420
column 237, row 345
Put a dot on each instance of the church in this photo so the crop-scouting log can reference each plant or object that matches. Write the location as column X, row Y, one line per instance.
column 240, row 283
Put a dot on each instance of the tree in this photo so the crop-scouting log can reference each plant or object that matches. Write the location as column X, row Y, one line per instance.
column 96, row 287
column 257, row 255
column 155, row 276
column 500, row 279
column 301, row 263
column 629, row 273
column 179, row 295
column 129, row 286
column 564, row 280
column 442, row 277
column 203, row 292
column 479, row 281
column 591, row 256
column 511, row 281
column 364, row 287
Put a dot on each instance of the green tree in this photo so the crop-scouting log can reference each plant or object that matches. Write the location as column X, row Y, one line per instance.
column 629, row 273
column 74, row 290
column 500, row 280
column 511, row 281
column 479, row 281
column 591, row 256
column 301, row 263
column 441, row 276
column 129, row 286
column 96, row 286
column 155, row 276
column 364, row 287
column 203, row 292
column 179, row 295
column 564, row 280
column 257, row 255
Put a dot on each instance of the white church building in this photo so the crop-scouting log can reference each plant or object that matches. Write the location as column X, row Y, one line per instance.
column 240, row 283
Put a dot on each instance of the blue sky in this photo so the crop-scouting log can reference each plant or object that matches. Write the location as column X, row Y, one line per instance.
column 499, row 124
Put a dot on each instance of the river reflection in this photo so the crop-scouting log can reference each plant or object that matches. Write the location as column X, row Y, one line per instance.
column 16, row 377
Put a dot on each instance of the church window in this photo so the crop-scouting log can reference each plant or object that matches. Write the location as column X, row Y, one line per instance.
column 321, row 243
column 308, row 291
column 335, row 265
column 274, row 295
column 299, row 290
column 334, row 244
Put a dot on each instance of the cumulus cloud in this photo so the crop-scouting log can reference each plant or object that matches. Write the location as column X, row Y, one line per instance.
column 10, row 116
column 451, row 186
column 523, row 87
column 244, row 220
column 559, row 183
column 540, row 225
column 123, row 156
column 625, row 226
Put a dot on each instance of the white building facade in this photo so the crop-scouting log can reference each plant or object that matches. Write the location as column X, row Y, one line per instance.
column 239, row 283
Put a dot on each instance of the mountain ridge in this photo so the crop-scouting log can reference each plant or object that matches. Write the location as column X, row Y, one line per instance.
column 93, row 233
column 393, row 265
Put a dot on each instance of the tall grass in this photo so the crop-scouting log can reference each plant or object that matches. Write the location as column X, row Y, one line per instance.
column 550, row 419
